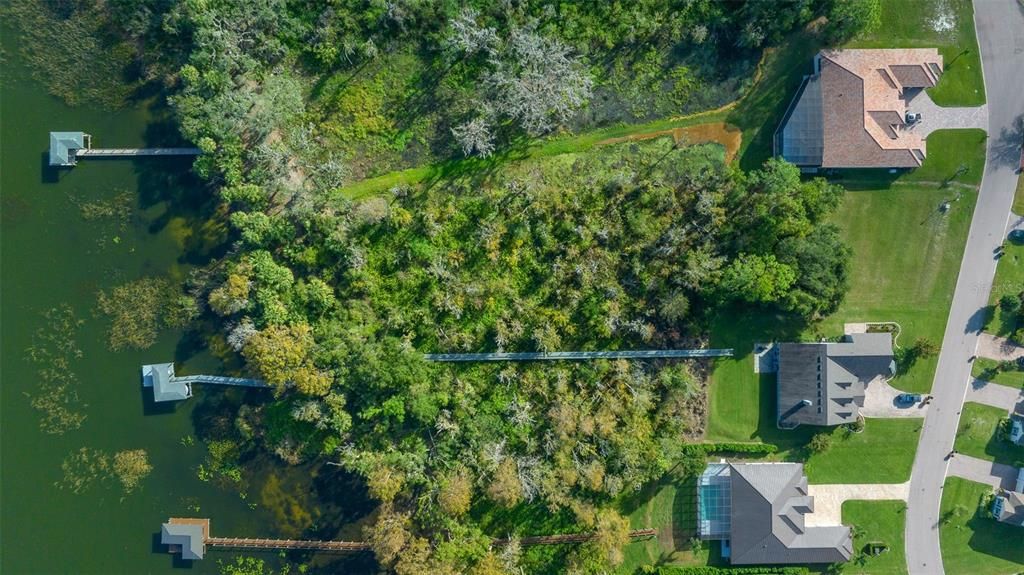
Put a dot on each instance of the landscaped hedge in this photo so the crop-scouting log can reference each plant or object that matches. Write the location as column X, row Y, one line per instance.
column 706, row 448
column 670, row 570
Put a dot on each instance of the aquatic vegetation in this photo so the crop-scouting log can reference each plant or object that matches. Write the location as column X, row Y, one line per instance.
column 72, row 51
column 119, row 208
column 83, row 469
column 87, row 467
column 141, row 308
column 54, row 348
column 289, row 504
column 131, row 467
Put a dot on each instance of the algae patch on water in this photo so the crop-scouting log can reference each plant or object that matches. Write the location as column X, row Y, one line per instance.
column 54, row 350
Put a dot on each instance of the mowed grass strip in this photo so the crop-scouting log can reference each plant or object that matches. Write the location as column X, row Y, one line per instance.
column 1009, row 281
column 944, row 24
column 978, row 435
column 988, row 370
column 882, row 453
column 971, row 541
column 876, row 522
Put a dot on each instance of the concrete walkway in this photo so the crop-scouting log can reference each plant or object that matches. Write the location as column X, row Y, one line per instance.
column 1016, row 223
column 880, row 401
column 983, row 471
column 998, row 348
column 1000, row 30
column 935, row 117
column 988, row 393
column 829, row 498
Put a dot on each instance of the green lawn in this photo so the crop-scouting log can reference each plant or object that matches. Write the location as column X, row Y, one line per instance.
column 883, row 453
column 944, row 24
column 1009, row 280
column 906, row 260
column 977, row 435
column 984, row 368
column 972, row 542
column 876, row 521
column 1018, row 198
column 670, row 506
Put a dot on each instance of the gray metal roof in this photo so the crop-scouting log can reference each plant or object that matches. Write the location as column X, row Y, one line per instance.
column 1009, row 507
column 61, row 144
column 188, row 536
column 824, row 383
column 160, row 377
column 769, row 501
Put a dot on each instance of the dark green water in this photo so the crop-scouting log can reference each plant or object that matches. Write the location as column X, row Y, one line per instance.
column 51, row 256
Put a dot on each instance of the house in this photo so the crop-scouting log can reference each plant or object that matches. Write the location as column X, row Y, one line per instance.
column 1008, row 506
column 855, row 110
column 63, row 146
column 1017, row 426
column 758, row 512
column 824, row 383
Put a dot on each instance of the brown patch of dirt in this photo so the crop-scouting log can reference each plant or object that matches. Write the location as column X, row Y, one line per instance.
column 729, row 136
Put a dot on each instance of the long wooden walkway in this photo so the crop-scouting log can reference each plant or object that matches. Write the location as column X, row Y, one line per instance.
column 219, row 380
column 134, row 152
column 581, row 355
column 248, row 543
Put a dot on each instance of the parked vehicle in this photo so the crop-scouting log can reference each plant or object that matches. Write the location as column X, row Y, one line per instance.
column 908, row 398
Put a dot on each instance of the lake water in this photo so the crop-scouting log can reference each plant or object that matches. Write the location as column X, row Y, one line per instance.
column 50, row 256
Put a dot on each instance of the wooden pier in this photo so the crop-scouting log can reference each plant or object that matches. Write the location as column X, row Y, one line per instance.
column 199, row 539
column 134, row 152
column 67, row 147
column 307, row 545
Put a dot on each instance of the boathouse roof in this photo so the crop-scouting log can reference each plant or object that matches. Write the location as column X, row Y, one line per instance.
column 61, row 146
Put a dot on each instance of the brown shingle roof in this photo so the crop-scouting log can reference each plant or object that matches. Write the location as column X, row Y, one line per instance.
column 863, row 106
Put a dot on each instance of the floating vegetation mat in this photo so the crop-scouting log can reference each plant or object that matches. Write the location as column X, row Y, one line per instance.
column 54, row 349
column 87, row 467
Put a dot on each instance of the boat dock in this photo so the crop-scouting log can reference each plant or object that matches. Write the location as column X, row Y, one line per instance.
column 191, row 537
column 169, row 387
column 67, row 147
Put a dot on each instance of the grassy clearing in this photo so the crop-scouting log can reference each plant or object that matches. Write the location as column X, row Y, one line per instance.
column 978, row 435
column 972, row 542
column 944, row 24
column 883, row 453
column 876, row 521
column 1009, row 280
column 988, row 369
column 906, row 260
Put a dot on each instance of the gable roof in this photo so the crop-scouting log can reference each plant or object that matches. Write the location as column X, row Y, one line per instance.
column 769, row 502
column 1009, row 507
column 824, row 383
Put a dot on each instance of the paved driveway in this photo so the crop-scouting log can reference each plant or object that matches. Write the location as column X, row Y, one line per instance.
column 1000, row 26
column 983, row 471
column 829, row 498
column 935, row 117
column 880, row 401
column 993, row 394
column 998, row 348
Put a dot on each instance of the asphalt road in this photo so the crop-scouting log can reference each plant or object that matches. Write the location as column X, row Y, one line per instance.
column 1000, row 26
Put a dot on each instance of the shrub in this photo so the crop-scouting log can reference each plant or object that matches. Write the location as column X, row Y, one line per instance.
column 820, row 443
column 708, row 570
